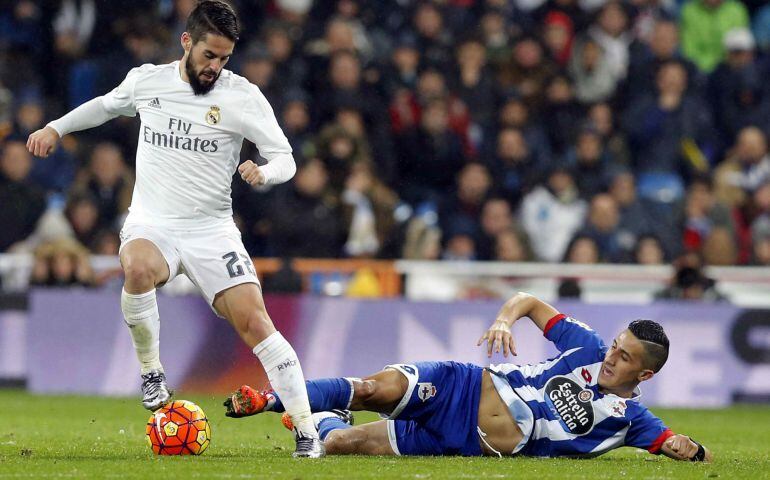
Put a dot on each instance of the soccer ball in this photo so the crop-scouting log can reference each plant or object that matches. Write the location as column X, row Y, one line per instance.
column 179, row 428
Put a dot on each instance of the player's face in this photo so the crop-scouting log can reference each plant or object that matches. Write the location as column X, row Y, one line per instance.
column 205, row 60
column 623, row 364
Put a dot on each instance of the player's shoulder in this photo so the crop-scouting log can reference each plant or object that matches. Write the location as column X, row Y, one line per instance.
column 238, row 84
column 151, row 69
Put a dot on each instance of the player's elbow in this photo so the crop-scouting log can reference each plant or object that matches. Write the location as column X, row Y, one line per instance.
column 291, row 167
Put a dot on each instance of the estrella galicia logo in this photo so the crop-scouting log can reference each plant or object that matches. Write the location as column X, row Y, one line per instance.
column 571, row 403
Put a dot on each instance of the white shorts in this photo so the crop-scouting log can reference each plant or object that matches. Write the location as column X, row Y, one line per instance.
column 211, row 255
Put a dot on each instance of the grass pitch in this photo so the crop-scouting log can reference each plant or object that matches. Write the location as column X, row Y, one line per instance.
column 81, row 437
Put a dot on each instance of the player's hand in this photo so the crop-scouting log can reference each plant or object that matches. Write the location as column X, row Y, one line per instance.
column 680, row 447
column 42, row 142
column 251, row 173
column 498, row 336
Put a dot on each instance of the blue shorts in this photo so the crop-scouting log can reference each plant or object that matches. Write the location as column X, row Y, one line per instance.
column 438, row 414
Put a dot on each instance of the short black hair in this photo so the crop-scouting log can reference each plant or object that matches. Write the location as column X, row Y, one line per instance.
column 212, row 16
column 654, row 341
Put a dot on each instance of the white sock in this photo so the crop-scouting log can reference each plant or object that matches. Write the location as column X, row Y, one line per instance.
column 285, row 375
column 141, row 314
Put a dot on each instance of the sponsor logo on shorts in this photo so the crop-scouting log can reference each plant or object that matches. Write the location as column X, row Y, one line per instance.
column 426, row 391
column 571, row 403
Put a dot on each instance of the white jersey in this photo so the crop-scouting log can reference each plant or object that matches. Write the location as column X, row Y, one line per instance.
column 189, row 145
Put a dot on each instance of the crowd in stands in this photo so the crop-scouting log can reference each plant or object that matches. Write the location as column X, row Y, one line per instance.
column 578, row 131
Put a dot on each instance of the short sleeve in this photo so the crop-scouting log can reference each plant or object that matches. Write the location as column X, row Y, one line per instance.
column 567, row 333
column 260, row 126
column 648, row 432
column 121, row 100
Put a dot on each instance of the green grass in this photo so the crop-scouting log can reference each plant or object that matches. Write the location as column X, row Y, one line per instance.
column 76, row 437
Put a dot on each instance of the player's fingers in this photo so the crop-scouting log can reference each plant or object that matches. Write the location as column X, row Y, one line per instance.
column 490, row 344
column 506, row 345
column 512, row 345
column 245, row 165
column 481, row 339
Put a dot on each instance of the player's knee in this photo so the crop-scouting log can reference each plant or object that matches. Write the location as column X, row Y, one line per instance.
column 344, row 442
column 253, row 322
column 139, row 274
column 364, row 390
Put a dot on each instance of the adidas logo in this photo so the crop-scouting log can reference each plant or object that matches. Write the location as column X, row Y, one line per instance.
column 155, row 103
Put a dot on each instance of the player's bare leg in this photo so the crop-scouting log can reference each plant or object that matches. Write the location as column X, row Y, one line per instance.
column 145, row 268
column 367, row 439
column 244, row 308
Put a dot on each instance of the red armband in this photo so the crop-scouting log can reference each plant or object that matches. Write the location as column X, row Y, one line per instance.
column 552, row 322
column 658, row 443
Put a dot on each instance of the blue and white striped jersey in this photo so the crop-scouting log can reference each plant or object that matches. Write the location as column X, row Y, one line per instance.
column 558, row 405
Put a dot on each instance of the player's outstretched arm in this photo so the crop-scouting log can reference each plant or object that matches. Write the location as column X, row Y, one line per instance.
column 682, row 447
column 520, row 305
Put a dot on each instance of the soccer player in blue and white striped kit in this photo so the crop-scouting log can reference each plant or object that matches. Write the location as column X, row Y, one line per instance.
column 581, row 403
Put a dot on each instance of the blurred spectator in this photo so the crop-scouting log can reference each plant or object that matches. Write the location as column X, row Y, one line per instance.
column 295, row 121
column 460, row 245
column 739, row 94
column 582, row 249
column 433, row 40
column 658, row 129
column 704, row 24
column 511, row 245
column 462, row 209
column 595, row 78
column 527, row 70
column 647, row 56
column 703, row 215
column 107, row 180
column 402, row 69
column 339, row 150
column 591, row 162
column 602, row 118
column 258, row 67
column 474, row 82
column 82, row 213
column 290, row 67
column 649, row 251
column 689, row 282
column 610, row 32
column 558, row 35
column 304, row 218
column 496, row 218
column 369, row 206
column 514, row 113
column 745, row 169
column 515, row 169
column 561, row 113
column 22, row 202
column 62, row 263
column 603, row 226
column 423, row 241
column 551, row 214
column 429, row 156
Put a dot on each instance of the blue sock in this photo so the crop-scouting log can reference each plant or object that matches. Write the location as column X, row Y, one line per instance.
column 325, row 394
column 327, row 425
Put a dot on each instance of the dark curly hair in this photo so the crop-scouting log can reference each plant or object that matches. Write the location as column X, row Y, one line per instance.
column 654, row 340
column 212, row 16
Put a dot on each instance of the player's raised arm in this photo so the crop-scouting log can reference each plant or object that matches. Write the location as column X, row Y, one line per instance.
column 91, row 114
column 682, row 447
column 520, row 305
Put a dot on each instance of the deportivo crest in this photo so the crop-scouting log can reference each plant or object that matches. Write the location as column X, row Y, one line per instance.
column 425, row 391
column 571, row 403
column 618, row 408
column 213, row 116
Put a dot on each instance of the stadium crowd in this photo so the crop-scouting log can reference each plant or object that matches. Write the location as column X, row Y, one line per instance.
column 515, row 130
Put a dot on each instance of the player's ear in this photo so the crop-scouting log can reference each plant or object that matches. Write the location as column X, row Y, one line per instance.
column 186, row 42
column 645, row 374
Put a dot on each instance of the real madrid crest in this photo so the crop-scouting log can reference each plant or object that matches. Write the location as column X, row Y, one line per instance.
column 213, row 116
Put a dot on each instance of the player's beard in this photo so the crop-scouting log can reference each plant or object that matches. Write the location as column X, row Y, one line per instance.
column 199, row 88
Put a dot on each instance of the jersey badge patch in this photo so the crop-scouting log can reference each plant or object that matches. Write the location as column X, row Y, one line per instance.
column 213, row 116
column 618, row 408
column 426, row 391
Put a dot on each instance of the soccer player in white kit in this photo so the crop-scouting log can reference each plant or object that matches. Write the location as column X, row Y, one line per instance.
column 194, row 117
